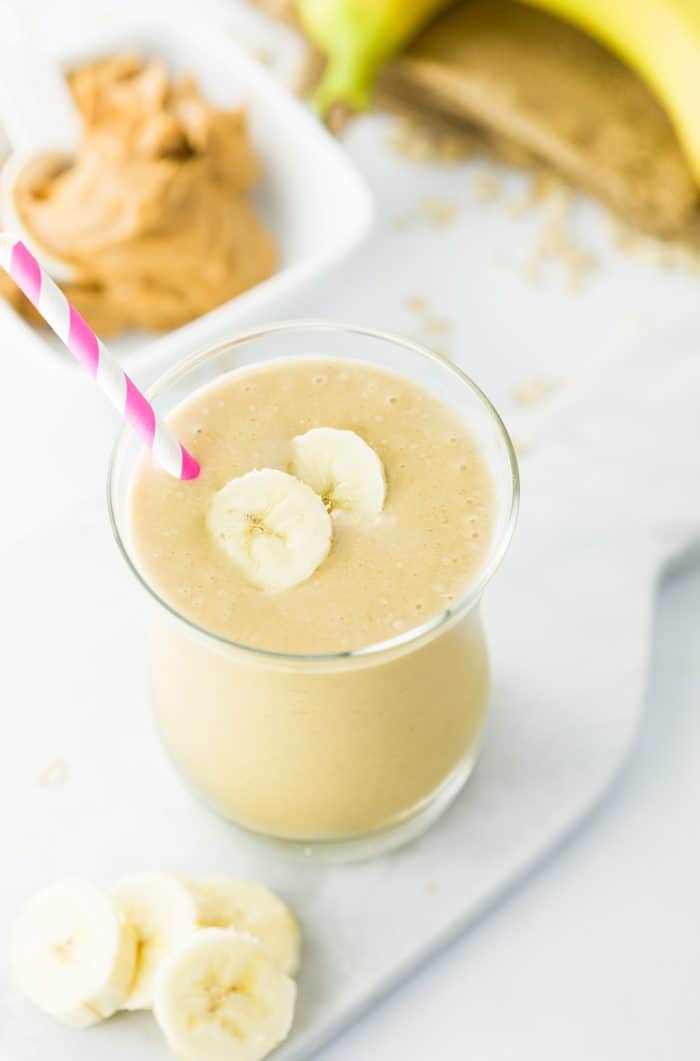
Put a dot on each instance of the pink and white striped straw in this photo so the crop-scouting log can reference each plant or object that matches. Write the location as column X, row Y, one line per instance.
column 82, row 342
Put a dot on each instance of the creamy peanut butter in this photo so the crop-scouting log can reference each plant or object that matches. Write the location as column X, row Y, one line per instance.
column 153, row 214
column 331, row 748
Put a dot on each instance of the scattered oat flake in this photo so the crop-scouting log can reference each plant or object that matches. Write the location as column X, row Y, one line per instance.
column 539, row 187
column 416, row 141
column 427, row 340
column 532, row 391
column 557, row 245
column 439, row 211
column 416, row 304
column 52, row 775
column 487, row 187
column 436, row 328
column 431, row 329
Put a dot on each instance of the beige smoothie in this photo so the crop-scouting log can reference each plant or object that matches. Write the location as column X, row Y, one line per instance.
column 356, row 738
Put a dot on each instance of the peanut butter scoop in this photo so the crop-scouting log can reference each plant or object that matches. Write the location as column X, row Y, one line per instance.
column 153, row 213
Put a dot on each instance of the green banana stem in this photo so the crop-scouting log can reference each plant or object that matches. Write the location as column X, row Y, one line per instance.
column 348, row 78
column 358, row 37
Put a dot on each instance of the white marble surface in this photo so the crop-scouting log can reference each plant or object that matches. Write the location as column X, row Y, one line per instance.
column 594, row 957
column 605, row 504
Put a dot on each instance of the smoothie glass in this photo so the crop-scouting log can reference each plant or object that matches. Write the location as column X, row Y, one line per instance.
column 345, row 754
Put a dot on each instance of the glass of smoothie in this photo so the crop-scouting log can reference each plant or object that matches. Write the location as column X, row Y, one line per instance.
column 318, row 668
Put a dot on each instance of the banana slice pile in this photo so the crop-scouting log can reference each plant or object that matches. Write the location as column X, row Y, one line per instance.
column 276, row 527
column 213, row 959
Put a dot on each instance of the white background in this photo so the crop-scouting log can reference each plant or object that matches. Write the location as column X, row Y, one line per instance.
column 596, row 956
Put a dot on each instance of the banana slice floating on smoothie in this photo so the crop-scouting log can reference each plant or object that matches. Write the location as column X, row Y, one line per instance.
column 221, row 997
column 162, row 911
column 342, row 469
column 251, row 908
column 274, row 528
column 72, row 953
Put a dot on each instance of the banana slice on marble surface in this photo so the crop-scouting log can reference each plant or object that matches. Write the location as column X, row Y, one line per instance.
column 220, row 997
column 73, row 954
column 274, row 528
column 162, row 912
column 251, row 908
column 342, row 469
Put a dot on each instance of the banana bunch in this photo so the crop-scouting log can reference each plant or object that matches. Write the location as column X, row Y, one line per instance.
column 214, row 960
column 658, row 39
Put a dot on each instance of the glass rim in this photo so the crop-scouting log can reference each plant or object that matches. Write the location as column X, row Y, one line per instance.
column 455, row 611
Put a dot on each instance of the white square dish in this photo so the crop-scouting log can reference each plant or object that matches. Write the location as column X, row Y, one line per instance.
column 311, row 197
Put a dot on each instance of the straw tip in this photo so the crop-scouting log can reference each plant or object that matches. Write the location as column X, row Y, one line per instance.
column 190, row 466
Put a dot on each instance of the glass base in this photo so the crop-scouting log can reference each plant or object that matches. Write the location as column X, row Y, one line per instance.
column 368, row 845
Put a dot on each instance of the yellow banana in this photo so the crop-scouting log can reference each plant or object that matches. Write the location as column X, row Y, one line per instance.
column 660, row 40
column 358, row 36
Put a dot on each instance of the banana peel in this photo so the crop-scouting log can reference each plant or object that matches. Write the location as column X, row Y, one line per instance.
column 658, row 39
